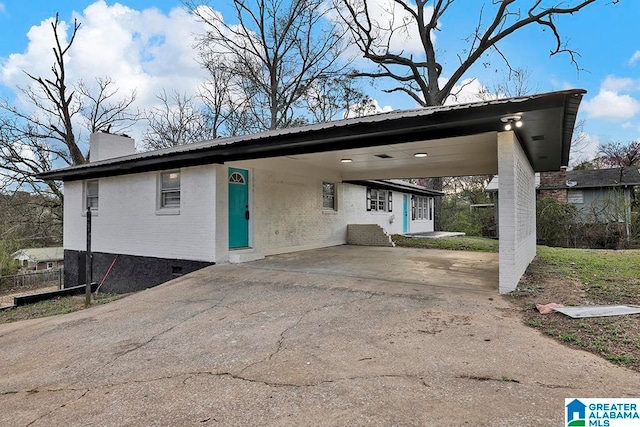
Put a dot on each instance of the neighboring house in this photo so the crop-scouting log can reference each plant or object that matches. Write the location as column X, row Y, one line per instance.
column 599, row 195
column 37, row 259
column 159, row 214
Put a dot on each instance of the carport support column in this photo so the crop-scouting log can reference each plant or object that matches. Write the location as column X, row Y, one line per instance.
column 516, row 211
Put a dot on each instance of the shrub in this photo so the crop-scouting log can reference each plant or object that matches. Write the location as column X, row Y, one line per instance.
column 555, row 221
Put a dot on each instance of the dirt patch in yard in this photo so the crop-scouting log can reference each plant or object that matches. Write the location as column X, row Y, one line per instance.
column 6, row 297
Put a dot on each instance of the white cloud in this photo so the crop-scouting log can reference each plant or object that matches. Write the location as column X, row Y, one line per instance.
column 611, row 105
column 3, row 8
column 371, row 107
column 392, row 27
column 146, row 51
column 584, row 147
column 469, row 90
column 617, row 84
column 635, row 57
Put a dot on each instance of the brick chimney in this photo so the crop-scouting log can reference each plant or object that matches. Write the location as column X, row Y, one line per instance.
column 105, row 145
column 554, row 185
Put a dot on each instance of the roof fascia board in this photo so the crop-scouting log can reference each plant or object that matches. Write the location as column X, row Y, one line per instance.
column 385, row 185
column 427, row 124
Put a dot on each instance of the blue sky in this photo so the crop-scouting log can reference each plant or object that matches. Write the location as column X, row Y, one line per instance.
column 146, row 45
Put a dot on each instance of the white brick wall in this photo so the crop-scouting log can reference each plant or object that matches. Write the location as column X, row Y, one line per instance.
column 286, row 213
column 127, row 223
column 517, row 211
column 287, row 207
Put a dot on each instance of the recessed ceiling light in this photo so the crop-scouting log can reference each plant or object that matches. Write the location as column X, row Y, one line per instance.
column 420, row 155
column 346, row 160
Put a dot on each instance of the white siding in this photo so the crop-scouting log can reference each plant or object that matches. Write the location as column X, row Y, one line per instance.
column 127, row 223
column 517, row 211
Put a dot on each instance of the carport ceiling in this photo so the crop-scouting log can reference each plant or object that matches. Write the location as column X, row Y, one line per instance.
column 459, row 140
column 466, row 155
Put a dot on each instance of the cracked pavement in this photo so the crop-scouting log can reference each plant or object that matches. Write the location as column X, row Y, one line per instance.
column 337, row 336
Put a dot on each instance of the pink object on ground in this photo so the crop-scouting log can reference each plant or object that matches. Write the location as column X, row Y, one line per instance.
column 548, row 308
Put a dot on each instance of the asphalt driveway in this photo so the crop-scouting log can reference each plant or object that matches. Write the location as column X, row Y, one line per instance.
column 338, row 336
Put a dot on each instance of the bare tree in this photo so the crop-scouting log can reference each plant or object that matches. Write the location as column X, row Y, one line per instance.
column 103, row 110
column 617, row 154
column 33, row 141
column 516, row 82
column 336, row 97
column 275, row 55
column 177, row 121
column 421, row 75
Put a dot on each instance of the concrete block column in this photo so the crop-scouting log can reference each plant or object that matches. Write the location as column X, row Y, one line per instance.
column 516, row 211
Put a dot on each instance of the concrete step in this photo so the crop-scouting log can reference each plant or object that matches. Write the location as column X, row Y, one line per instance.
column 237, row 256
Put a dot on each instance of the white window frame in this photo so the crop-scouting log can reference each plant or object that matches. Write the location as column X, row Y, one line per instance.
column 575, row 197
column 329, row 193
column 422, row 207
column 164, row 192
column 49, row 265
column 379, row 200
column 90, row 198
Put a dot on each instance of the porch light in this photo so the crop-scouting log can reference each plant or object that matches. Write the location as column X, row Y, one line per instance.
column 420, row 155
column 511, row 121
column 346, row 160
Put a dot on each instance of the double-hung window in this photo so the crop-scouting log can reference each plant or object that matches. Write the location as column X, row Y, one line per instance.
column 91, row 194
column 170, row 189
column 422, row 208
column 379, row 200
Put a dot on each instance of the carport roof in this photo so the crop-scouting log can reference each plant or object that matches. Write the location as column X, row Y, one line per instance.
column 548, row 120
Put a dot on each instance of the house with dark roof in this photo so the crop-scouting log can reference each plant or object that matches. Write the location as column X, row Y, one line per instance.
column 599, row 195
column 162, row 213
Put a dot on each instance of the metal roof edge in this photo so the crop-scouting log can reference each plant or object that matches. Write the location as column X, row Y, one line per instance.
column 439, row 120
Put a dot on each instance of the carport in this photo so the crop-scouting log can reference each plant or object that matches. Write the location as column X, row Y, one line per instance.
column 514, row 138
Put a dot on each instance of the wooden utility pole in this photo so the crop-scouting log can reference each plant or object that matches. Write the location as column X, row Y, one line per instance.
column 89, row 266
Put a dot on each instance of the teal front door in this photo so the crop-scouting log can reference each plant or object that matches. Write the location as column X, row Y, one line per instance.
column 405, row 213
column 238, row 208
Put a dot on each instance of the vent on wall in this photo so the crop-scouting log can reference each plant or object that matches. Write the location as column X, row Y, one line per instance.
column 383, row 156
column 537, row 138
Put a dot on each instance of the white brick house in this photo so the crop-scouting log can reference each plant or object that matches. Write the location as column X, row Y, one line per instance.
column 163, row 213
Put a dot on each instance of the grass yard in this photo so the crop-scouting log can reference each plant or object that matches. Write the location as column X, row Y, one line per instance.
column 585, row 277
column 459, row 243
column 52, row 307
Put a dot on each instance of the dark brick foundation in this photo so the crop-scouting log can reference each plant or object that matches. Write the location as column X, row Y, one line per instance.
column 129, row 273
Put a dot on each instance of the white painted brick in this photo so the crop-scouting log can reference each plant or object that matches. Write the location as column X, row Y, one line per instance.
column 285, row 203
column 517, row 211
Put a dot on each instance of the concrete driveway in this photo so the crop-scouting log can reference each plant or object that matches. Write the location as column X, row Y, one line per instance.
column 339, row 336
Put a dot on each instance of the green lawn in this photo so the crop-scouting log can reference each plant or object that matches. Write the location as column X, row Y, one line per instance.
column 460, row 243
column 585, row 277
column 52, row 307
